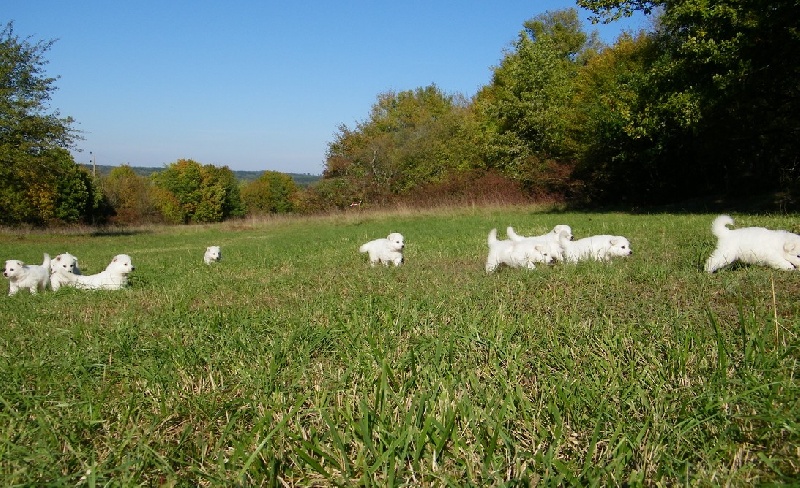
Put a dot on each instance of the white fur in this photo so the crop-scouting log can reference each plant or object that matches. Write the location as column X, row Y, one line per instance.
column 517, row 254
column 778, row 249
column 551, row 239
column 114, row 277
column 386, row 250
column 552, row 235
column 30, row 276
column 598, row 248
column 65, row 262
column 212, row 254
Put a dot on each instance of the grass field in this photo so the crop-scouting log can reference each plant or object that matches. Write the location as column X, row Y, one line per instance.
column 292, row 362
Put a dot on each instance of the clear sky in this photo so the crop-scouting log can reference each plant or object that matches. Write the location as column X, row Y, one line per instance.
column 258, row 84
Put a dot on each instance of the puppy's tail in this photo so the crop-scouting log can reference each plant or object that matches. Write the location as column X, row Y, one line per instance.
column 513, row 235
column 720, row 225
column 46, row 262
column 492, row 237
column 363, row 248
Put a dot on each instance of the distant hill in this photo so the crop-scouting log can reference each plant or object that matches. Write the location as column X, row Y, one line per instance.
column 302, row 179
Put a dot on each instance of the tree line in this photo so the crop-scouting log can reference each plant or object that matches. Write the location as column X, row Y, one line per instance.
column 703, row 104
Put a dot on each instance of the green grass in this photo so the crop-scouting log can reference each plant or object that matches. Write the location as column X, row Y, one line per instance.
column 293, row 362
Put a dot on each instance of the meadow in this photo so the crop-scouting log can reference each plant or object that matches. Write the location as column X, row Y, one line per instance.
column 292, row 362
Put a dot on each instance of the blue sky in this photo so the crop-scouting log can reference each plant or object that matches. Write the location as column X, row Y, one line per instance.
column 257, row 85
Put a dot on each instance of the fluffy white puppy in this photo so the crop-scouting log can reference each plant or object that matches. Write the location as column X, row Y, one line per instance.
column 778, row 249
column 68, row 264
column 386, row 250
column 553, row 235
column 114, row 277
column 598, row 248
column 21, row 275
column 517, row 254
column 212, row 254
column 551, row 239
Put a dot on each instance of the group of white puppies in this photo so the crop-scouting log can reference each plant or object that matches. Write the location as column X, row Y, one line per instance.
column 778, row 249
column 555, row 246
column 63, row 270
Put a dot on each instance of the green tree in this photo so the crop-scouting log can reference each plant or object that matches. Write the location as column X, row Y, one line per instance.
column 411, row 138
column 130, row 196
column 34, row 163
column 272, row 192
column 187, row 192
column 721, row 101
column 524, row 112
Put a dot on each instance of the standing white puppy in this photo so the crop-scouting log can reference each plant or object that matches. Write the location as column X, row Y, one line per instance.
column 517, row 254
column 598, row 248
column 778, row 249
column 386, row 250
column 213, row 254
column 67, row 263
column 21, row 275
column 114, row 277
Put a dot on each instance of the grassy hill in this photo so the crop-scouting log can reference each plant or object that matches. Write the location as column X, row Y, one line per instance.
column 302, row 179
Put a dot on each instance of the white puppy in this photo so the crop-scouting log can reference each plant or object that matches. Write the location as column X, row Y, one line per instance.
column 551, row 239
column 778, row 249
column 21, row 275
column 66, row 262
column 386, row 250
column 114, row 277
column 552, row 235
column 212, row 254
column 517, row 254
column 598, row 248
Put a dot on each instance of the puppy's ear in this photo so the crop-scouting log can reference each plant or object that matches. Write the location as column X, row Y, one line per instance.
column 790, row 247
column 614, row 241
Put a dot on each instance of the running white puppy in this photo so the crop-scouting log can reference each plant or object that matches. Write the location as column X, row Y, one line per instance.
column 517, row 254
column 598, row 248
column 21, row 275
column 213, row 254
column 779, row 249
column 68, row 264
column 386, row 250
column 551, row 239
column 114, row 277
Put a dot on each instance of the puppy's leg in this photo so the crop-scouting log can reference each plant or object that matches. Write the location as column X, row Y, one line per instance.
column 719, row 259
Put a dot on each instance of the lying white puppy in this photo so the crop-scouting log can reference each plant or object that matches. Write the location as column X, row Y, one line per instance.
column 212, row 254
column 114, row 277
column 66, row 262
column 21, row 275
column 517, row 254
column 598, row 248
column 552, row 235
column 551, row 239
column 386, row 250
column 778, row 249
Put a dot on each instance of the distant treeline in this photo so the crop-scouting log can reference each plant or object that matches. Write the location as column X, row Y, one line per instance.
column 301, row 179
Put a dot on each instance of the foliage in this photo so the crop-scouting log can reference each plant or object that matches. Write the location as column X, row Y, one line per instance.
column 272, row 192
column 186, row 192
column 292, row 362
column 718, row 100
column 410, row 138
column 39, row 181
column 130, row 196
